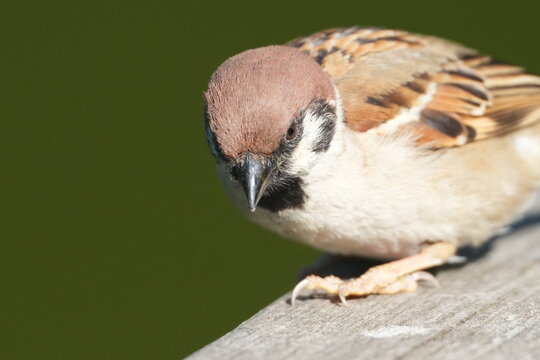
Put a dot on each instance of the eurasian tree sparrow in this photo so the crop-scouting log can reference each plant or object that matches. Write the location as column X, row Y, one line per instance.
column 374, row 142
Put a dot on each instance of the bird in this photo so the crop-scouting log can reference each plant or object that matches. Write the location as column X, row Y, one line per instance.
column 377, row 143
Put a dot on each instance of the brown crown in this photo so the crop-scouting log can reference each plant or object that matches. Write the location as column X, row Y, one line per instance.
column 253, row 96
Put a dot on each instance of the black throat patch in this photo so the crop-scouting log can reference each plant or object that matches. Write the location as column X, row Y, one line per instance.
column 288, row 195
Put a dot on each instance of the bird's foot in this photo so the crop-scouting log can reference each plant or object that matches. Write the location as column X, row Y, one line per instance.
column 390, row 278
column 364, row 285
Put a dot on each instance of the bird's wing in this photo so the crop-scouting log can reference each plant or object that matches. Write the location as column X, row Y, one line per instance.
column 446, row 94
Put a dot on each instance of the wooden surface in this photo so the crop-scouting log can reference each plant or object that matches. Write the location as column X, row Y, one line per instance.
column 486, row 309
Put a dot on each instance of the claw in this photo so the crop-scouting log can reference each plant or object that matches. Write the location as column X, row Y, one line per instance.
column 343, row 299
column 329, row 284
column 299, row 287
column 375, row 281
column 426, row 277
column 456, row 260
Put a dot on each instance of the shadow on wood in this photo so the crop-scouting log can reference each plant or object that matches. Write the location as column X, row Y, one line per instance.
column 488, row 308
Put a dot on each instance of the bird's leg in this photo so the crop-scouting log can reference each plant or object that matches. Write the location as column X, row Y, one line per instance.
column 390, row 278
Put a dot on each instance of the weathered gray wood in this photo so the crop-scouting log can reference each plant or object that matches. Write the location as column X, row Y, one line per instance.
column 487, row 309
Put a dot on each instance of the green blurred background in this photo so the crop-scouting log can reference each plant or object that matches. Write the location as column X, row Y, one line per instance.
column 117, row 241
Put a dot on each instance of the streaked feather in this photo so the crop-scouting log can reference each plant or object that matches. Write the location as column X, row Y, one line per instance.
column 384, row 75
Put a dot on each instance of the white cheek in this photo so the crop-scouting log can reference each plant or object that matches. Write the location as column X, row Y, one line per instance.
column 303, row 157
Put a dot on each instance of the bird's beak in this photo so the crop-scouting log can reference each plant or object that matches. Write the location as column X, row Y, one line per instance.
column 257, row 175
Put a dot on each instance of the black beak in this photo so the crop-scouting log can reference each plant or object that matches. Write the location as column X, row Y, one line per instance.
column 257, row 173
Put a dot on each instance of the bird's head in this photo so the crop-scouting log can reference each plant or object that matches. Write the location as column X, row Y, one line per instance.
column 270, row 112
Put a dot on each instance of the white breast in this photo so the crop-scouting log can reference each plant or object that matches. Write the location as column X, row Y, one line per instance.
column 361, row 204
column 383, row 197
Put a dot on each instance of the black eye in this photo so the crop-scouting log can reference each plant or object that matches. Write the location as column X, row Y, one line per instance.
column 291, row 132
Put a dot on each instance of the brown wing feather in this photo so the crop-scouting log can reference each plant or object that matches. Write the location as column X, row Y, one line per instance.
column 516, row 99
column 446, row 94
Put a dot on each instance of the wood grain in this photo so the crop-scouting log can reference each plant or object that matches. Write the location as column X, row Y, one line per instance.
column 486, row 309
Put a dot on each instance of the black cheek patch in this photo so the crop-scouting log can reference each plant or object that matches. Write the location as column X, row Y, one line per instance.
column 290, row 195
column 327, row 128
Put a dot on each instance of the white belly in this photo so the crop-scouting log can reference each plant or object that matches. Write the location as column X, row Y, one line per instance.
column 386, row 198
